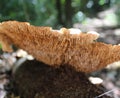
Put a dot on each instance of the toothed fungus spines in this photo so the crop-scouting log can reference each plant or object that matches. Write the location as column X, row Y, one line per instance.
column 67, row 47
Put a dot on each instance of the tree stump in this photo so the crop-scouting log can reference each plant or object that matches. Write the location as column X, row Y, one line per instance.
column 34, row 79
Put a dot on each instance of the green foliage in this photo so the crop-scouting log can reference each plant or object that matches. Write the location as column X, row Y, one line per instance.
column 45, row 12
column 102, row 2
column 38, row 12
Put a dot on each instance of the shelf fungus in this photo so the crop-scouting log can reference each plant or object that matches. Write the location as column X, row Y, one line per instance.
column 66, row 47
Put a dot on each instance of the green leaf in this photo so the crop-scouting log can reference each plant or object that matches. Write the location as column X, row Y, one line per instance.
column 102, row 2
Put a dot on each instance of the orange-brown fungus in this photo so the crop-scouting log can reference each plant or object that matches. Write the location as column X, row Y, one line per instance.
column 57, row 48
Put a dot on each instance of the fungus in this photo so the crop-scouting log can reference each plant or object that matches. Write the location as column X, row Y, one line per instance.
column 59, row 47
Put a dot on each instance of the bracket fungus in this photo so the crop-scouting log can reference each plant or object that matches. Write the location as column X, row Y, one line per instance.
column 59, row 47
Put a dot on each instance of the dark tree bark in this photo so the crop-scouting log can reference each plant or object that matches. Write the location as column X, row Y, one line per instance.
column 59, row 10
column 68, row 13
column 65, row 13
column 37, row 80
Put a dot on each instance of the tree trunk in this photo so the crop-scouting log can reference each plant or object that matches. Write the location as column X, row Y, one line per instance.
column 60, row 14
column 65, row 13
column 68, row 13
column 37, row 80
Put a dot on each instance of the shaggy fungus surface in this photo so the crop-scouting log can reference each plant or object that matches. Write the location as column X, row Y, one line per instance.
column 59, row 47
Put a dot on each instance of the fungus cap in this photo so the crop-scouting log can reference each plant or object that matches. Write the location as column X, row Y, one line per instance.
column 68, row 47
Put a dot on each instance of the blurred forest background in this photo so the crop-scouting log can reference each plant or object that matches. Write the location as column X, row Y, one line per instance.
column 58, row 13
column 102, row 16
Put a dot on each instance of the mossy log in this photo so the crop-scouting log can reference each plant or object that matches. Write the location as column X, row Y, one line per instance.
column 34, row 79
